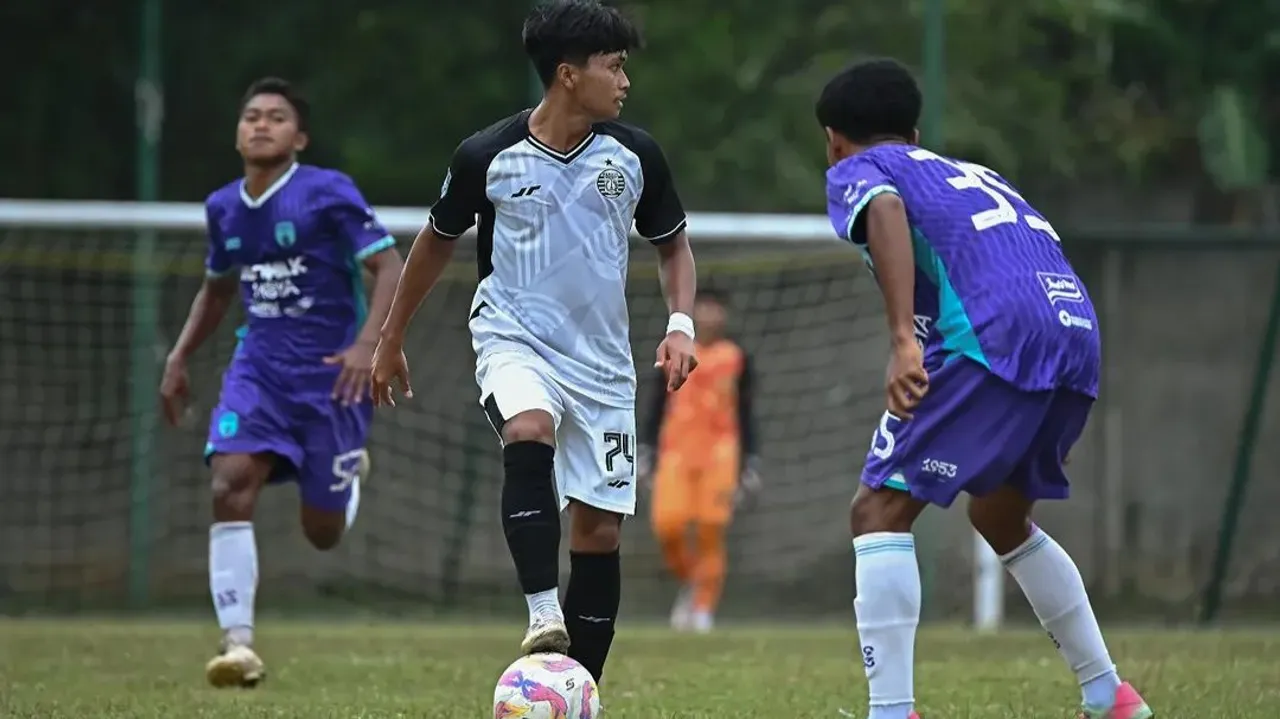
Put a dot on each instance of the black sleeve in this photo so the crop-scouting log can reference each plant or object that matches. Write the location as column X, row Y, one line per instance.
column 652, row 424
column 746, row 408
column 462, row 194
column 659, row 214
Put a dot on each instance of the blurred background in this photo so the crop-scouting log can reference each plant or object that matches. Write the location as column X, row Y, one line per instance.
column 1148, row 131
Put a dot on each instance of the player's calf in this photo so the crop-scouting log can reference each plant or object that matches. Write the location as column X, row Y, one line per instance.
column 323, row 528
column 595, row 584
column 711, row 566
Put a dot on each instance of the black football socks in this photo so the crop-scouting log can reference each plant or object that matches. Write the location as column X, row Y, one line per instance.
column 591, row 607
column 531, row 515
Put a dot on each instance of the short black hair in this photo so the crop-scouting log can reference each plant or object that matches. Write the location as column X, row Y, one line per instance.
column 291, row 95
column 713, row 295
column 875, row 98
column 558, row 31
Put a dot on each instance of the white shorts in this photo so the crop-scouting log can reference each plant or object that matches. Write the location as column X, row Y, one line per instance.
column 595, row 443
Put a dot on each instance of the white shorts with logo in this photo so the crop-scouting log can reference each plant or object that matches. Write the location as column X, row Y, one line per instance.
column 595, row 442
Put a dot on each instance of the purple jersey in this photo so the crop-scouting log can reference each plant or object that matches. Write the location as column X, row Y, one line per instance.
column 298, row 249
column 992, row 283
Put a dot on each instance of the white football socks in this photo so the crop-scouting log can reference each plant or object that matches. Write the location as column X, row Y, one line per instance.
column 888, row 610
column 544, row 604
column 233, row 577
column 1052, row 584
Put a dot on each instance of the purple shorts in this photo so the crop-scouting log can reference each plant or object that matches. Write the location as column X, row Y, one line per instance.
column 317, row 441
column 973, row 432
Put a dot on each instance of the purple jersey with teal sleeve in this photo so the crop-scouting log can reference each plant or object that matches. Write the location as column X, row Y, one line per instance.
column 298, row 251
column 992, row 282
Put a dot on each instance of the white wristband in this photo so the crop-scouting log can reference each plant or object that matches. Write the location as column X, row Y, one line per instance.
column 680, row 322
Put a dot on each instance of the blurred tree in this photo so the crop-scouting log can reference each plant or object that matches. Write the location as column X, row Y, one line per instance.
column 1210, row 68
column 1050, row 92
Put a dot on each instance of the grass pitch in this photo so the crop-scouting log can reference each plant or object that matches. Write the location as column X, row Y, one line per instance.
column 102, row 669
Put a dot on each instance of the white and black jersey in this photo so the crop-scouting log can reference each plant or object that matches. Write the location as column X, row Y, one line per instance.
column 552, row 242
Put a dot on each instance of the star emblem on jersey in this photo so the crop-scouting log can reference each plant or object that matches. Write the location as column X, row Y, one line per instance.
column 611, row 183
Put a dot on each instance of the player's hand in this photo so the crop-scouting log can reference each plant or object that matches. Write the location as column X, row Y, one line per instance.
column 389, row 366
column 676, row 359
column 906, row 381
column 175, row 389
column 356, row 362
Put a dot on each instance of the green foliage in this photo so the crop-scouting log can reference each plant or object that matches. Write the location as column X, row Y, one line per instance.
column 1232, row 144
column 1048, row 91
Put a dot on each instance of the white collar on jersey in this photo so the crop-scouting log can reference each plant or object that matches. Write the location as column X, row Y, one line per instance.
column 280, row 182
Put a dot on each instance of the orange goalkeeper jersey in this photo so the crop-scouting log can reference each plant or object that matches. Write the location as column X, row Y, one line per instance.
column 713, row 406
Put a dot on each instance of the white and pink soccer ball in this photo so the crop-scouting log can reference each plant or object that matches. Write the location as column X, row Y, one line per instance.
column 546, row 686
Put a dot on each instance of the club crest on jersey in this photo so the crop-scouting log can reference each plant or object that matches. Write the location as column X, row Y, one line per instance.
column 286, row 235
column 611, row 183
column 228, row 424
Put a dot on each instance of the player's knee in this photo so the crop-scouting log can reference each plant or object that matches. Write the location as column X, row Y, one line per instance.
column 236, row 482
column 593, row 530
column 882, row 510
column 531, row 426
column 1002, row 518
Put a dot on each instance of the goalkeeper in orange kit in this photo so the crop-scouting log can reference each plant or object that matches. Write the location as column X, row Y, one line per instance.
column 700, row 444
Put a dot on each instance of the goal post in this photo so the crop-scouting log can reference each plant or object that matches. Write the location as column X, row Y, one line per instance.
column 803, row 305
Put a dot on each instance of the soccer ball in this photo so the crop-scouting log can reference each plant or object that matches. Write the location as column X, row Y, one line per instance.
column 546, row 686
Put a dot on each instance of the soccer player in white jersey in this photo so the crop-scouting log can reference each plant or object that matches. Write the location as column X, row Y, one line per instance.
column 556, row 190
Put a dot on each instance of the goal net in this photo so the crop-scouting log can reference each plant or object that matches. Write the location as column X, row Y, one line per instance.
column 81, row 524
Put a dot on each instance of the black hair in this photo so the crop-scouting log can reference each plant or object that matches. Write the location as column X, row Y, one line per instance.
column 277, row 86
column 559, row 31
column 714, row 295
column 871, row 99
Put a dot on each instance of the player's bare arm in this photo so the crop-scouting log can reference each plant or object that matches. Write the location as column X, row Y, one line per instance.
column 207, row 310
column 428, row 258
column 679, row 276
column 357, row 360
column 889, row 241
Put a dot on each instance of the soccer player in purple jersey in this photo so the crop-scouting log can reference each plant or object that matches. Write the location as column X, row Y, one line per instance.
column 293, row 239
column 993, row 370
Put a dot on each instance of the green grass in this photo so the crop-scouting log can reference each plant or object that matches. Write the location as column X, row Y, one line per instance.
column 117, row 669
